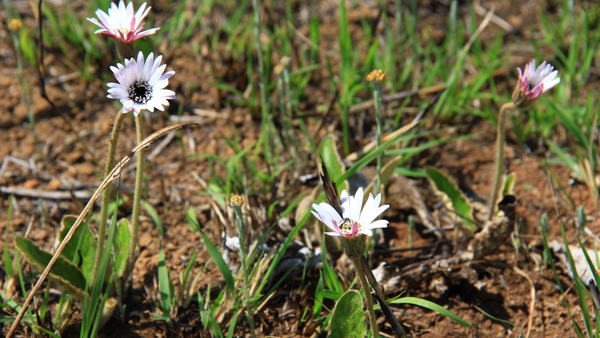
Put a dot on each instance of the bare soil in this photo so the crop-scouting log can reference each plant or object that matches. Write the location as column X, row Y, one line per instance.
column 56, row 161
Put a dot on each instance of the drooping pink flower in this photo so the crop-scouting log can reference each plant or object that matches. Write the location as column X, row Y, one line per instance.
column 535, row 82
column 122, row 24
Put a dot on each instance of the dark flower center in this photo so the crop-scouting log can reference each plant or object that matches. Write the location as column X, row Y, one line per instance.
column 140, row 92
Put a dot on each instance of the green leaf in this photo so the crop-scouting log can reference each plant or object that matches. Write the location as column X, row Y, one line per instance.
column 571, row 124
column 8, row 263
column 64, row 273
column 190, row 214
column 333, row 161
column 433, row 307
column 509, row 184
column 494, row 318
column 448, row 190
column 579, row 286
column 386, row 173
column 154, row 215
column 206, row 316
column 348, row 318
column 216, row 257
column 318, row 304
column 184, row 288
column 165, row 285
column 81, row 249
column 329, row 275
column 122, row 247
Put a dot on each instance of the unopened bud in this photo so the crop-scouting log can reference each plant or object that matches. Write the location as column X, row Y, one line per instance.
column 15, row 25
column 377, row 75
column 236, row 200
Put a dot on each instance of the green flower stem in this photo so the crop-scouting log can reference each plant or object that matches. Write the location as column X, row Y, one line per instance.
column 137, row 194
column 367, row 290
column 499, row 162
column 110, row 161
column 125, row 50
column 378, row 133
column 239, row 222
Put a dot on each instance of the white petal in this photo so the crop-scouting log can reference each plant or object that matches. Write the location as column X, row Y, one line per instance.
column 356, row 204
column 379, row 224
column 367, row 232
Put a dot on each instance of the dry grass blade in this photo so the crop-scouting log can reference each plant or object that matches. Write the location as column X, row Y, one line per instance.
column 397, row 96
column 113, row 175
column 385, row 308
column 330, row 190
column 532, row 303
column 355, row 155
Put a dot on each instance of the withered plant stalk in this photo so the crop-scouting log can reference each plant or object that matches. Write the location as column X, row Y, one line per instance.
column 499, row 161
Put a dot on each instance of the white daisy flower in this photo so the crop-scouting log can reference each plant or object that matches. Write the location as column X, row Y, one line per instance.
column 141, row 84
column 535, row 82
column 121, row 23
column 355, row 220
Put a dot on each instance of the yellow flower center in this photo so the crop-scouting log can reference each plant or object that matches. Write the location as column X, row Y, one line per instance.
column 346, row 226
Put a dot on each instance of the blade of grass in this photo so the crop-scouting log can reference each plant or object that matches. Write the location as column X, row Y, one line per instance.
column 431, row 306
column 216, row 257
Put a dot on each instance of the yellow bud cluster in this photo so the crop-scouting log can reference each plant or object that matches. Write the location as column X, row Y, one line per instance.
column 236, row 200
column 15, row 24
column 377, row 75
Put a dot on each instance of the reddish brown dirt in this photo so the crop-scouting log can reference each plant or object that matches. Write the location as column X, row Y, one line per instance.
column 62, row 163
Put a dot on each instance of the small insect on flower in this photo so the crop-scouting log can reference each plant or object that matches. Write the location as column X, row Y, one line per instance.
column 533, row 82
column 355, row 219
column 121, row 23
column 141, row 84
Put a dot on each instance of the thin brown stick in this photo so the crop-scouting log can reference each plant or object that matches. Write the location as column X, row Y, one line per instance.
column 327, row 113
column 113, row 175
column 532, row 303
column 50, row 195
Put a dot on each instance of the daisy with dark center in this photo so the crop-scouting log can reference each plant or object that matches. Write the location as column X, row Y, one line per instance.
column 141, row 84
column 121, row 23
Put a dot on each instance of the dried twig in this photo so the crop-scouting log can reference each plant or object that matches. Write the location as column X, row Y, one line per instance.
column 494, row 19
column 50, row 195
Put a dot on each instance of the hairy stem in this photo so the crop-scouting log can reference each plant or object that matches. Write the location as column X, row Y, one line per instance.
column 367, row 291
column 137, row 194
column 110, row 161
column 378, row 134
column 499, row 161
